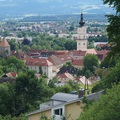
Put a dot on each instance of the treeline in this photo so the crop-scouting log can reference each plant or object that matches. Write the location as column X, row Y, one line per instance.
column 98, row 38
column 42, row 42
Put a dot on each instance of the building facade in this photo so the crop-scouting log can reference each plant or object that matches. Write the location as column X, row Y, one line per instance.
column 82, row 36
column 62, row 106
column 39, row 65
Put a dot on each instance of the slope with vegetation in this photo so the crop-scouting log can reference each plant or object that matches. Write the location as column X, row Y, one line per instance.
column 108, row 107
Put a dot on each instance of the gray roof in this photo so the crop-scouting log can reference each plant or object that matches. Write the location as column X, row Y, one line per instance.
column 70, row 98
column 64, row 97
column 94, row 96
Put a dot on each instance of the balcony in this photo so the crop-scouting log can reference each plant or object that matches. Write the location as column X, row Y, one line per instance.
column 45, row 105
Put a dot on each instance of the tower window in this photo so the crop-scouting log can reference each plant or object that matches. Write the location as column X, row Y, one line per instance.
column 83, row 43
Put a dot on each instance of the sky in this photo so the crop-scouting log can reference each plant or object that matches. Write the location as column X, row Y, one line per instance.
column 22, row 7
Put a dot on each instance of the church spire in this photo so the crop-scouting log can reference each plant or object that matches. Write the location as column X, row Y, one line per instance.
column 81, row 21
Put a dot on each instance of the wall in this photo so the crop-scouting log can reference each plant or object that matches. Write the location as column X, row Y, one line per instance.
column 82, row 39
column 37, row 116
column 46, row 70
column 73, row 110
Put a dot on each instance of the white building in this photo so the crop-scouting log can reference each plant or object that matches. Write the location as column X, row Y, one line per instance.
column 40, row 64
column 82, row 36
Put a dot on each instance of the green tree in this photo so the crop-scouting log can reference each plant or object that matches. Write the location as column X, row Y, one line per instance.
column 71, row 28
column 106, row 108
column 113, row 29
column 7, row 102
column 112, row 77
column 66, row 89
column 16, row 63
column 87, row 74
column 27, row 88
column 90, row 62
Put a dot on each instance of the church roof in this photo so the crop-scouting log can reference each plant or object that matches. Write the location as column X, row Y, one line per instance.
column 4, row 43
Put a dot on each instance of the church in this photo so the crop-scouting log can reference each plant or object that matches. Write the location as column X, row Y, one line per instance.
column 82, row 36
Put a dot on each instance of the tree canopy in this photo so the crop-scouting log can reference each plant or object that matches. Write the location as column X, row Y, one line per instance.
column 113, row 29
column 90, row 62
column 107, row 108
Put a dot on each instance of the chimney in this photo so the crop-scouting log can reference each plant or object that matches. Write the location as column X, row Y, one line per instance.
column 81, row 93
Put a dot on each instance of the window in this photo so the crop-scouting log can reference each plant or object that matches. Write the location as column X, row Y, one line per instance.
column 58, row 112
column 83, row 43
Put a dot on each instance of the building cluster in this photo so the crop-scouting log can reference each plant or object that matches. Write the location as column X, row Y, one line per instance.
column 52, row 63
column 63, row 65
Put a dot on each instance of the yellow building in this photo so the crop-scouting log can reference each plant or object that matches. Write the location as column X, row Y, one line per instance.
column 62, row 105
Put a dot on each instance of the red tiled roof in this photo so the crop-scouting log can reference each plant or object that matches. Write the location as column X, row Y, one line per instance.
column 78, row 53
column 61, row 52
column 83, row 80
column 37, row 62
column 11, row 74
column 91, row 51
column 55, row 60
column 4, row 43
column 64, row 57
column 102, row 54
column 102, row 51
column 103, row 45
column 78, row 62
column 65, row 75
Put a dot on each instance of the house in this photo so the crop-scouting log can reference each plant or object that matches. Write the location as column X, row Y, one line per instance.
column 34, row 53
column 56, row 62
column 70, row 69
column 5, row 48
column 91, row 51
column 19, row 54
column 46, row 54
column 40, row 64
column 10, row 75
column 101, row 54
column 103, row 46
column 65, row 77
column 83, row 80
column 77, row 63
column 65, row 58
column 63, row 105
column 61, row 52
column 77, row 54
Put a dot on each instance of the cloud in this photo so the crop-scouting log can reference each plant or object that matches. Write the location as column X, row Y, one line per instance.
column 107, row 6
column 90, row 7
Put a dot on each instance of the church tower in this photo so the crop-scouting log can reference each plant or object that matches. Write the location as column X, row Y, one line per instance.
column 82, row 37
column 4, row 48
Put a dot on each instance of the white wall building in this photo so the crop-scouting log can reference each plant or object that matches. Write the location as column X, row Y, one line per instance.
column 82, row 36
column 37, row 64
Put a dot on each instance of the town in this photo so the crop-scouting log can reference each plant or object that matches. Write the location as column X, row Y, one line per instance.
column 57, row 67
column 60, row 65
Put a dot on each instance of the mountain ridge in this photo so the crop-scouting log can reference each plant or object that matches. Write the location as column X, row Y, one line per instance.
column 51, row 7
